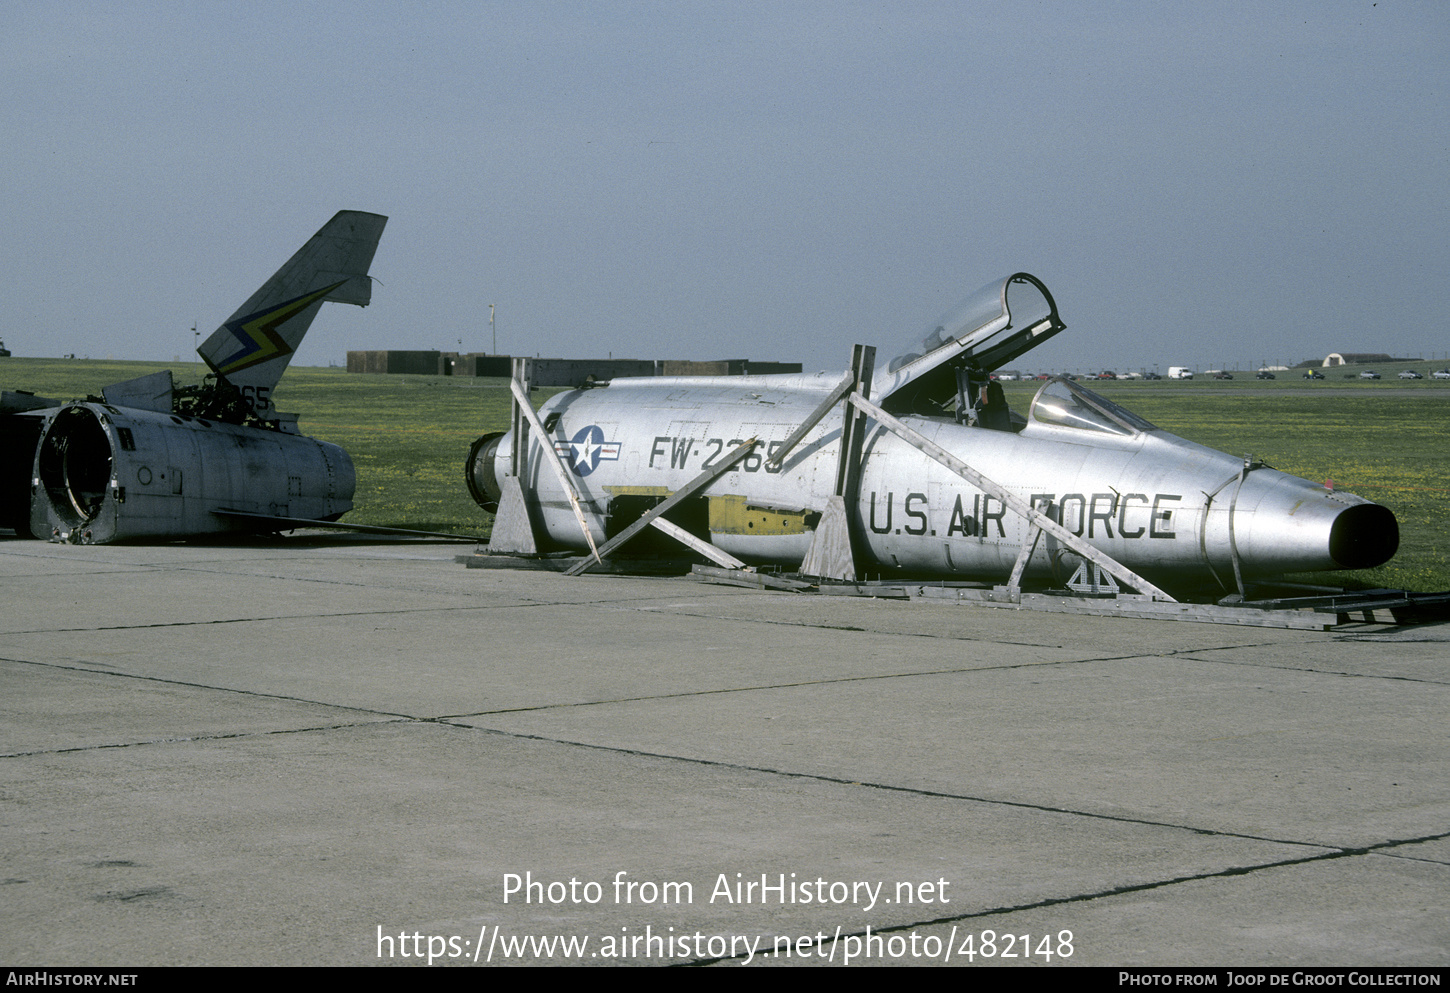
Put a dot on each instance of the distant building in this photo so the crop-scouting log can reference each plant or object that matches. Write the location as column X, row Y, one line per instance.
column 572, row 372
column 724, row 367
column 420, row 363
column 552, row 372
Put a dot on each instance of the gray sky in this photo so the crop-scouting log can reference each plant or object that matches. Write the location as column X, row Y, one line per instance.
column 1196, row 183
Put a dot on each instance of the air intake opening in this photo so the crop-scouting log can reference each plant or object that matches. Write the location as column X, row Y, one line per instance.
column 1364, row 536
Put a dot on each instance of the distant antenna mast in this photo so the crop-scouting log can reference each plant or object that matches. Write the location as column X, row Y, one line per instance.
column 196, row 340
column 492, row 328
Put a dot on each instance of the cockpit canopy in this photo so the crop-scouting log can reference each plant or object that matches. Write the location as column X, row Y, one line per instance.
column 1062, row 403
column 984, row 332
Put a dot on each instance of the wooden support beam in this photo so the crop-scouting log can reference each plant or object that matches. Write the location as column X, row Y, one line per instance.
column 812, row 419
column 719, row 556
column 523, row 374
column 853, row 427
column 521, row 398
column 688, row 490
column 1020, row 566
column 513, row 522
column 832, row 554
column 1015, row 503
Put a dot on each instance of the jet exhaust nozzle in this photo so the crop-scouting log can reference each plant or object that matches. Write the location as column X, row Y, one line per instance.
column 479, row 470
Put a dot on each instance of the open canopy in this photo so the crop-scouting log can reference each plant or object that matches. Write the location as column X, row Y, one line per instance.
column 984, row 332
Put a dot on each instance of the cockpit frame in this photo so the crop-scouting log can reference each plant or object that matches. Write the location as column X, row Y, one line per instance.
column 987, row 330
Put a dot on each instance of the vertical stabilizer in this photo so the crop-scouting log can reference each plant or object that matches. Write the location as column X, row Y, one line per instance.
column 252, row 349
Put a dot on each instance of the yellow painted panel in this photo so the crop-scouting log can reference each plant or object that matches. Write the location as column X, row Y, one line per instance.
column 732, row 515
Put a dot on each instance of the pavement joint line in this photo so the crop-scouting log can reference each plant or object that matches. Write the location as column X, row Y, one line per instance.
column 627, row 604
column 921, row 791
column 1376, row 638
column 1103, row 894
column 384, row 612
column 215, row 689
column 783, row 686
column 1190, row 655
column 183, row 739
column 917, row 634
column 401, row 719
column 526, row 604
column 1415, row 858
column 1005, row 667
column 1332, row 852
column 447, row 718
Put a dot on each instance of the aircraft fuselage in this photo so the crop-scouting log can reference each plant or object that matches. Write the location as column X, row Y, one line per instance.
column 1157, row 503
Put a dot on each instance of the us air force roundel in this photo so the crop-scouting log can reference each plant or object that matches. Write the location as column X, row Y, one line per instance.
column 587, row 450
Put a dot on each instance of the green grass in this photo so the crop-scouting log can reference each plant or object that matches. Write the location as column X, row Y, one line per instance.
column 409, row 435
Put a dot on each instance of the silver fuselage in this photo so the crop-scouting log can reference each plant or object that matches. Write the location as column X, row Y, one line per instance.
column 1161, row 505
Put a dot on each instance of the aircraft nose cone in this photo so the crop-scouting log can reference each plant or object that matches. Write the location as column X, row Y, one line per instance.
column 1364, row 536
column 1286, row 524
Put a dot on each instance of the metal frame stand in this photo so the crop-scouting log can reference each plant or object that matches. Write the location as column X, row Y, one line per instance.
column 832, row 554
column 514, row 531
column 513, row 524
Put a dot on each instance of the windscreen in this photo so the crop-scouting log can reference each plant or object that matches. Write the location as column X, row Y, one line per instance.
column 1065, row 404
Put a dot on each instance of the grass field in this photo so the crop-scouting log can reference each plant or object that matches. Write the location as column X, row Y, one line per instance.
column 408, row 437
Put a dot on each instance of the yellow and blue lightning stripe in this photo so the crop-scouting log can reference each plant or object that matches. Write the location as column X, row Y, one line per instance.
column 258, row 336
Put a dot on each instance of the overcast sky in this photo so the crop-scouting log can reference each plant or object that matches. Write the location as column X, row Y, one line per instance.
column 1197, row 184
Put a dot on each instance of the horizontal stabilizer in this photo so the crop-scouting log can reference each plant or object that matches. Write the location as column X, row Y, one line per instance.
column 291, row 523
column 151, row 392
column 15, row 402
column 354, row 289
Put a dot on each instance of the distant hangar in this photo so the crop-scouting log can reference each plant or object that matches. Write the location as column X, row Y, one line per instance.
column 1360, row 358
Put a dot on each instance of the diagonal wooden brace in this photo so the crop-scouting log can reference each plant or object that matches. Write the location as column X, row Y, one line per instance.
column 1020, row 566
column 1015, row 503
column 847, row 383
column 688, row 490
column 719, row 556
column 546, row 442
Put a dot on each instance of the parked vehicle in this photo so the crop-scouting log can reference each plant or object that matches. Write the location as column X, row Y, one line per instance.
column 1410, row 374
column 1263, row 374
column 1313, row 374
column 1369, row 374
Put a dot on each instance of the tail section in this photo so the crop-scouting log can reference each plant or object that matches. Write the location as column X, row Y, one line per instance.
column 251, row 350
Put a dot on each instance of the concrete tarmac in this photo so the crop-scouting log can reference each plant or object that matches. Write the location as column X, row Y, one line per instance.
column 339, row 751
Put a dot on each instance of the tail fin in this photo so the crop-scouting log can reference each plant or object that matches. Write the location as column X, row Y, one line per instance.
column 252, row 349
